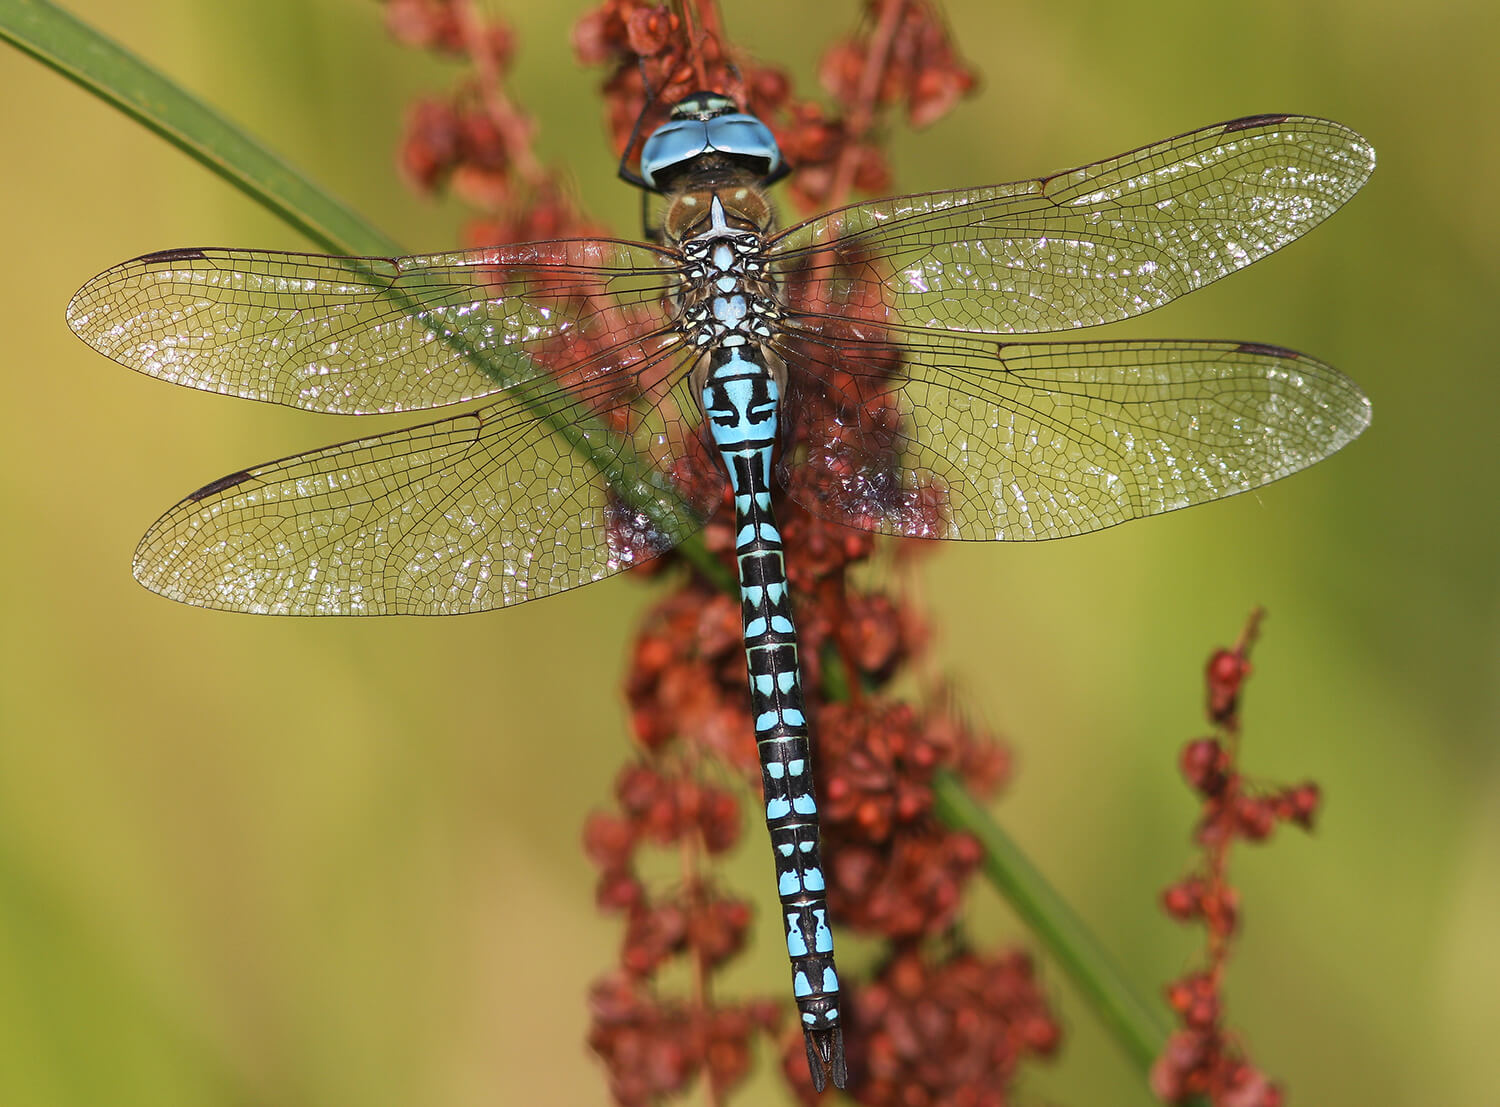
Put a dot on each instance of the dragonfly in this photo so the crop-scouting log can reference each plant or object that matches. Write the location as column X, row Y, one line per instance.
column 870, row 364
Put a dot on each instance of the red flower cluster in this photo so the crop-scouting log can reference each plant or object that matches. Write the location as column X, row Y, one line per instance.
column 930, row 1027
column 935, row 1032
column 654, row 1046
column 475, row 140
column 445, row 27
column 895, row 870
column 1203, row 1058
column 938, row 1024
column 653, row 1049
column 902, row 55
column 921, row 68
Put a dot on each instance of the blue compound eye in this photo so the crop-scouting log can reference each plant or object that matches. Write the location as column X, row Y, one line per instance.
column 745, row 136
column 671, row 147
column 707, row 123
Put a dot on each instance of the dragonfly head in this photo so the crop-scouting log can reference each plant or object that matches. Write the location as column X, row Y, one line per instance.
column 705, row 124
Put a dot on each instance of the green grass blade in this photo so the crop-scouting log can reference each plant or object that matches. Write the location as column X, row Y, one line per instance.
column 1139, row 1028
column 78, row 52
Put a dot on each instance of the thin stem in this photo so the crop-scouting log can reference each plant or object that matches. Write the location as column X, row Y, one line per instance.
column 497, row 104
column 1137, row 1027
column 861, row 116
column 699, row 20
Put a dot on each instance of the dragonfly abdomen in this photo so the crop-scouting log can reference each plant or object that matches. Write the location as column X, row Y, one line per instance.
column 740, row 398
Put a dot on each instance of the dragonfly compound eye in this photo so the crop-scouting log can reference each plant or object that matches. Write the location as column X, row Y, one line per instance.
column 707, row 124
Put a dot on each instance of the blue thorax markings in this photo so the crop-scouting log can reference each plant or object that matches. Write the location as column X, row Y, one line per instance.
column 730, row 310
column 735, row 303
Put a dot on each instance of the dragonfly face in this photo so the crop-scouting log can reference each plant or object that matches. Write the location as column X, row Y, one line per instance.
column 871, row 349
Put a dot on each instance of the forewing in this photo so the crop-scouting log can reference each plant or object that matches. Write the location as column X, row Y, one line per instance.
column 1020, row 441
column 363, row 335
column 1091, row 245
column 544, row 490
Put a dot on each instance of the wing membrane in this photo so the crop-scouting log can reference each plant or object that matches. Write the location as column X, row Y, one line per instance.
column 1091, row 245
column 1020, row 441
column 364, row 335
column 539, row 492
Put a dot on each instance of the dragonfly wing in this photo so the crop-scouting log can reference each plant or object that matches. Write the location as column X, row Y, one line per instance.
column 1091, row 245
column 364, row 335
column 531, row 495
column 1021, row 440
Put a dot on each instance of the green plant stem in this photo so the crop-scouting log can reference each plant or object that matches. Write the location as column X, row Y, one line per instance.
column 1140, row 1030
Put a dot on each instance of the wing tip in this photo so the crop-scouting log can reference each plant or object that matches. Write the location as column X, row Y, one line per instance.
column 214, row 487
column 1246, row 122
column 164, row 257
column 1266, row 349
column 1356, row 141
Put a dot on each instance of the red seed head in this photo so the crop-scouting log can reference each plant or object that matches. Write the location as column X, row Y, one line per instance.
column 1204, row 765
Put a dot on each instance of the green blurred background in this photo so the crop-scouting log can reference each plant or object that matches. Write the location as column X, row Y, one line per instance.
column 257, row 861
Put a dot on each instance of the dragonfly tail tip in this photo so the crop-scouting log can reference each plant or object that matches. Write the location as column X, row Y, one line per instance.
column 825, row 1058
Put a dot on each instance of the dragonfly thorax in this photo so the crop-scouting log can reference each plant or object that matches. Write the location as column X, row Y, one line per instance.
column 746, row 211
column 727, row 299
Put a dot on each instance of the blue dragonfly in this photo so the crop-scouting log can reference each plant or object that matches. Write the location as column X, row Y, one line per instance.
column 862, row 362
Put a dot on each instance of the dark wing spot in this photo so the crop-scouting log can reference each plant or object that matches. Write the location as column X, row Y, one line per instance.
column 1266, row 351
column 213, row 488
column 1253, row 121
column 165, row 256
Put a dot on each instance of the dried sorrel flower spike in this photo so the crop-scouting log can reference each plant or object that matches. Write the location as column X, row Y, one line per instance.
column 1183, row 900
column 1227, row 670
column 942, row 1030
column 476, row 141
column 1204, row 1059
column 903, row 55
column 1204, row 765
column 687, row 687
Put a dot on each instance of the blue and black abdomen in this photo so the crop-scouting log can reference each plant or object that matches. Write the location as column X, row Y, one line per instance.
column 740, row 400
